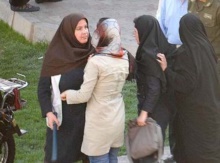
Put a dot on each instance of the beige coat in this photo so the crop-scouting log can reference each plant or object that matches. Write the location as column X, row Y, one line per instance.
column 105, row 115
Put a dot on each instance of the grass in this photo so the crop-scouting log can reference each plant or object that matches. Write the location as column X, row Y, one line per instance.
column 17, row 55
column 20, row 56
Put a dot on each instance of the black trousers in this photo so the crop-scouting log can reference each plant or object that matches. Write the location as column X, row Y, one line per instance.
column 18, row 2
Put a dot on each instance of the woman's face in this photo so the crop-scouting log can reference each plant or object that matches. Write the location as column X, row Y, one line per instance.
column 82, row 31
column 136, row 36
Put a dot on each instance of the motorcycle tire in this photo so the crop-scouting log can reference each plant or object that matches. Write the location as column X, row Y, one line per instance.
column 8, row 150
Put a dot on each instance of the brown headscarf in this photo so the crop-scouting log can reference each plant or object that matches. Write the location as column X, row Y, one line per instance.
column 65, row 52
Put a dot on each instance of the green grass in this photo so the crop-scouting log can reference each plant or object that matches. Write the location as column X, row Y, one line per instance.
column 17, row 55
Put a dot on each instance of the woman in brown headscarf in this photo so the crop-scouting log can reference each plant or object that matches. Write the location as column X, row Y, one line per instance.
column 104, row 78
column 62, row 69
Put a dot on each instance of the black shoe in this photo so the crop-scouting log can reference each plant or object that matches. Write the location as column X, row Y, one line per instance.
column 42, row 1
column 25, row 8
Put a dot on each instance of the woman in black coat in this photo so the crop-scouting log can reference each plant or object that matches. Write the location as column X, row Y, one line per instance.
column 197, row 94
column 62, row 69
column 153, row 98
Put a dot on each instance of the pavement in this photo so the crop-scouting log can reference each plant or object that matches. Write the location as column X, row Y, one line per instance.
column 41, row 26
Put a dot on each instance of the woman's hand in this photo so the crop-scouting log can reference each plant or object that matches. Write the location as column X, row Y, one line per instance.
column 51, row 120
column 141, row 120
column 63, row 96
column 162, row 60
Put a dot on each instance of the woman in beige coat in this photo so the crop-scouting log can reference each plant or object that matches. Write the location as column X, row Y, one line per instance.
column 104, row 78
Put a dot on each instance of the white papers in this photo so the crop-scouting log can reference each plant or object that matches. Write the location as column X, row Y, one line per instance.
column 6, row 85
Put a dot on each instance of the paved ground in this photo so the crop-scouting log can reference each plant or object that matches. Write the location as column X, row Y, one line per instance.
column 124, row 159
column 41, row 25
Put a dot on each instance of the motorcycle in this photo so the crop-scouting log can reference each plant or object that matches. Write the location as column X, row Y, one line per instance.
column 10, row 101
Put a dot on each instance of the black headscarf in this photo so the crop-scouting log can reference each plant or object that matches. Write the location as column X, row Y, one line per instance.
column 195, row 42
column 65, row 52
column 152, row 41
column 198, row 101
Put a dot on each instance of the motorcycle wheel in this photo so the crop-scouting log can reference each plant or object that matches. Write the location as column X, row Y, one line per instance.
column 7, row 154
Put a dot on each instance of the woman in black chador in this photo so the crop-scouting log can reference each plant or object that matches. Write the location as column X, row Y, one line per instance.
column 153, row 99
column 197, row 93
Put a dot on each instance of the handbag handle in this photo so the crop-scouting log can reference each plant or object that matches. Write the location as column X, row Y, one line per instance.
column 133, row 123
